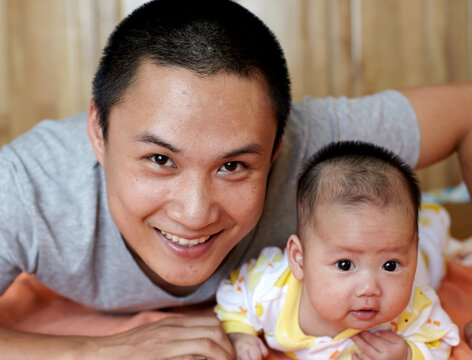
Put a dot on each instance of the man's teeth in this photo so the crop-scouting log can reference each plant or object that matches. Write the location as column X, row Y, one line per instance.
column 182, row 241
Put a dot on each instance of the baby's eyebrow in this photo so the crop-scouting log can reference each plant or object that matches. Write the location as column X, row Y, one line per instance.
column 396, row 250
column 393, row 250
column 350, row 250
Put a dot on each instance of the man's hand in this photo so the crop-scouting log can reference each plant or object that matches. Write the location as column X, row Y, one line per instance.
column 248, row 347
column 171, row 338
column 381, row 345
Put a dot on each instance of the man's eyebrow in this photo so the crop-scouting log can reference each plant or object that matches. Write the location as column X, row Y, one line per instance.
column 248, row 149
column 156, row 140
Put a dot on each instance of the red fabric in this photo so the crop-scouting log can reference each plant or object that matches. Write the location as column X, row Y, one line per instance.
column 456, row 298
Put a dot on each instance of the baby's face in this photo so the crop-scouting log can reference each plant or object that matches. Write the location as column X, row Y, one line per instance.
column 358, row 268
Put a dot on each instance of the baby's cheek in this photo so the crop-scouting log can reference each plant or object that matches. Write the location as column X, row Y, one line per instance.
column 330, row 302
column 396, row 302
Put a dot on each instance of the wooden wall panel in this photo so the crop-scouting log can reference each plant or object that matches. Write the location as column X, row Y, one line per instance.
column 287, row 19
column 50, row 49
column 340, row 47
column 37, row 71
column 357, row 47
column 315, row 71
column 4, row 78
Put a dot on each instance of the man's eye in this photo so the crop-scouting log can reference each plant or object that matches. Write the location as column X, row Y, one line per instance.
column 161, row 160
column 390, row 265
column 232, row 166
column 345, row 265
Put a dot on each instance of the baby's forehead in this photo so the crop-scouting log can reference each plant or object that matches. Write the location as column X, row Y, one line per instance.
column 365, row 230
column 335, row 216
column 402, row 207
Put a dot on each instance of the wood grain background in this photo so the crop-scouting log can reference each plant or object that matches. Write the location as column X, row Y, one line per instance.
column 49, row 50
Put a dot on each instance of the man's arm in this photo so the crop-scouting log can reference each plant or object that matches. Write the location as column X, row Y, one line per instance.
column 173, row 337
column 444, row 115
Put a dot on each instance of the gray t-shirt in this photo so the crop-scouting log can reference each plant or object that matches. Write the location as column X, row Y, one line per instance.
column 55, row 222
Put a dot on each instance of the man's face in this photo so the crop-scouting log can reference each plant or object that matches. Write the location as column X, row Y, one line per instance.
column 362, row 261
column 186, row 164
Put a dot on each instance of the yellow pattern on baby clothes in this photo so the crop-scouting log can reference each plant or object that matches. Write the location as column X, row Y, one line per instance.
column 424, row 221
column 253, row 279
column 261, row 262
column 434, row 344
column 420, row 302
column 346, row 334
column 404, row 320
column 283, row 279
column 287, row 329
column 235, row 315
column 430, row 206
column 234, row 276
column 277, row 258
column 425, row 258
column 416, row 353
column 428, row 335
column 237, row 322
column 255, row 271
column 259, row 310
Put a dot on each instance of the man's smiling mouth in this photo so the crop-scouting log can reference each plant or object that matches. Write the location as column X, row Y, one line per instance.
column 183, row 241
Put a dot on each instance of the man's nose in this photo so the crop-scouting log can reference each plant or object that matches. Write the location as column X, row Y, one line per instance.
column 193, row 204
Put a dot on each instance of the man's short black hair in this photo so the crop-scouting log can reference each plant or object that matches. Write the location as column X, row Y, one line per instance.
column 352, row 173
column 207, row 37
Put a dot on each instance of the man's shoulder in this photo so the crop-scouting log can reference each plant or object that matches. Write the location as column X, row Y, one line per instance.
column 62, row 133
column 55, row 157
column 51, row 144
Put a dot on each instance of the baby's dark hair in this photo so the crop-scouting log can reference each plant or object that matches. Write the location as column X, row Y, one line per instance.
column 352, row 173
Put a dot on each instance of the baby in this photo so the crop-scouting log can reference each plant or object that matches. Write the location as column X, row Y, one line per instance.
column 344, row 288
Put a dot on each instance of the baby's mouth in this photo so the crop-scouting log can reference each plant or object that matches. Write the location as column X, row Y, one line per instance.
column 365, row 314
column 183, row 241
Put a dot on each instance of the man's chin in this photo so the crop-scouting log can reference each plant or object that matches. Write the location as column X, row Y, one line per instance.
column 173, row 282
column 181, row 285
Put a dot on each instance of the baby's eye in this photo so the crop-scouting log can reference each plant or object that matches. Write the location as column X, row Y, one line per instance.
column 161, row 160
column 232, row 166
column 390, row 265
column 345, row 265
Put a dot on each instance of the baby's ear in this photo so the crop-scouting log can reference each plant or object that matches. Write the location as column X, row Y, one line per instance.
column 295, row 256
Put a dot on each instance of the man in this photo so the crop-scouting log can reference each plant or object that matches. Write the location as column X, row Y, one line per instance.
column 185, row 173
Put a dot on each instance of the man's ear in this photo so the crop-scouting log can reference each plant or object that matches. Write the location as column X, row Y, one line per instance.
column 95, row 133
column 295, row 256
column 276, row 151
